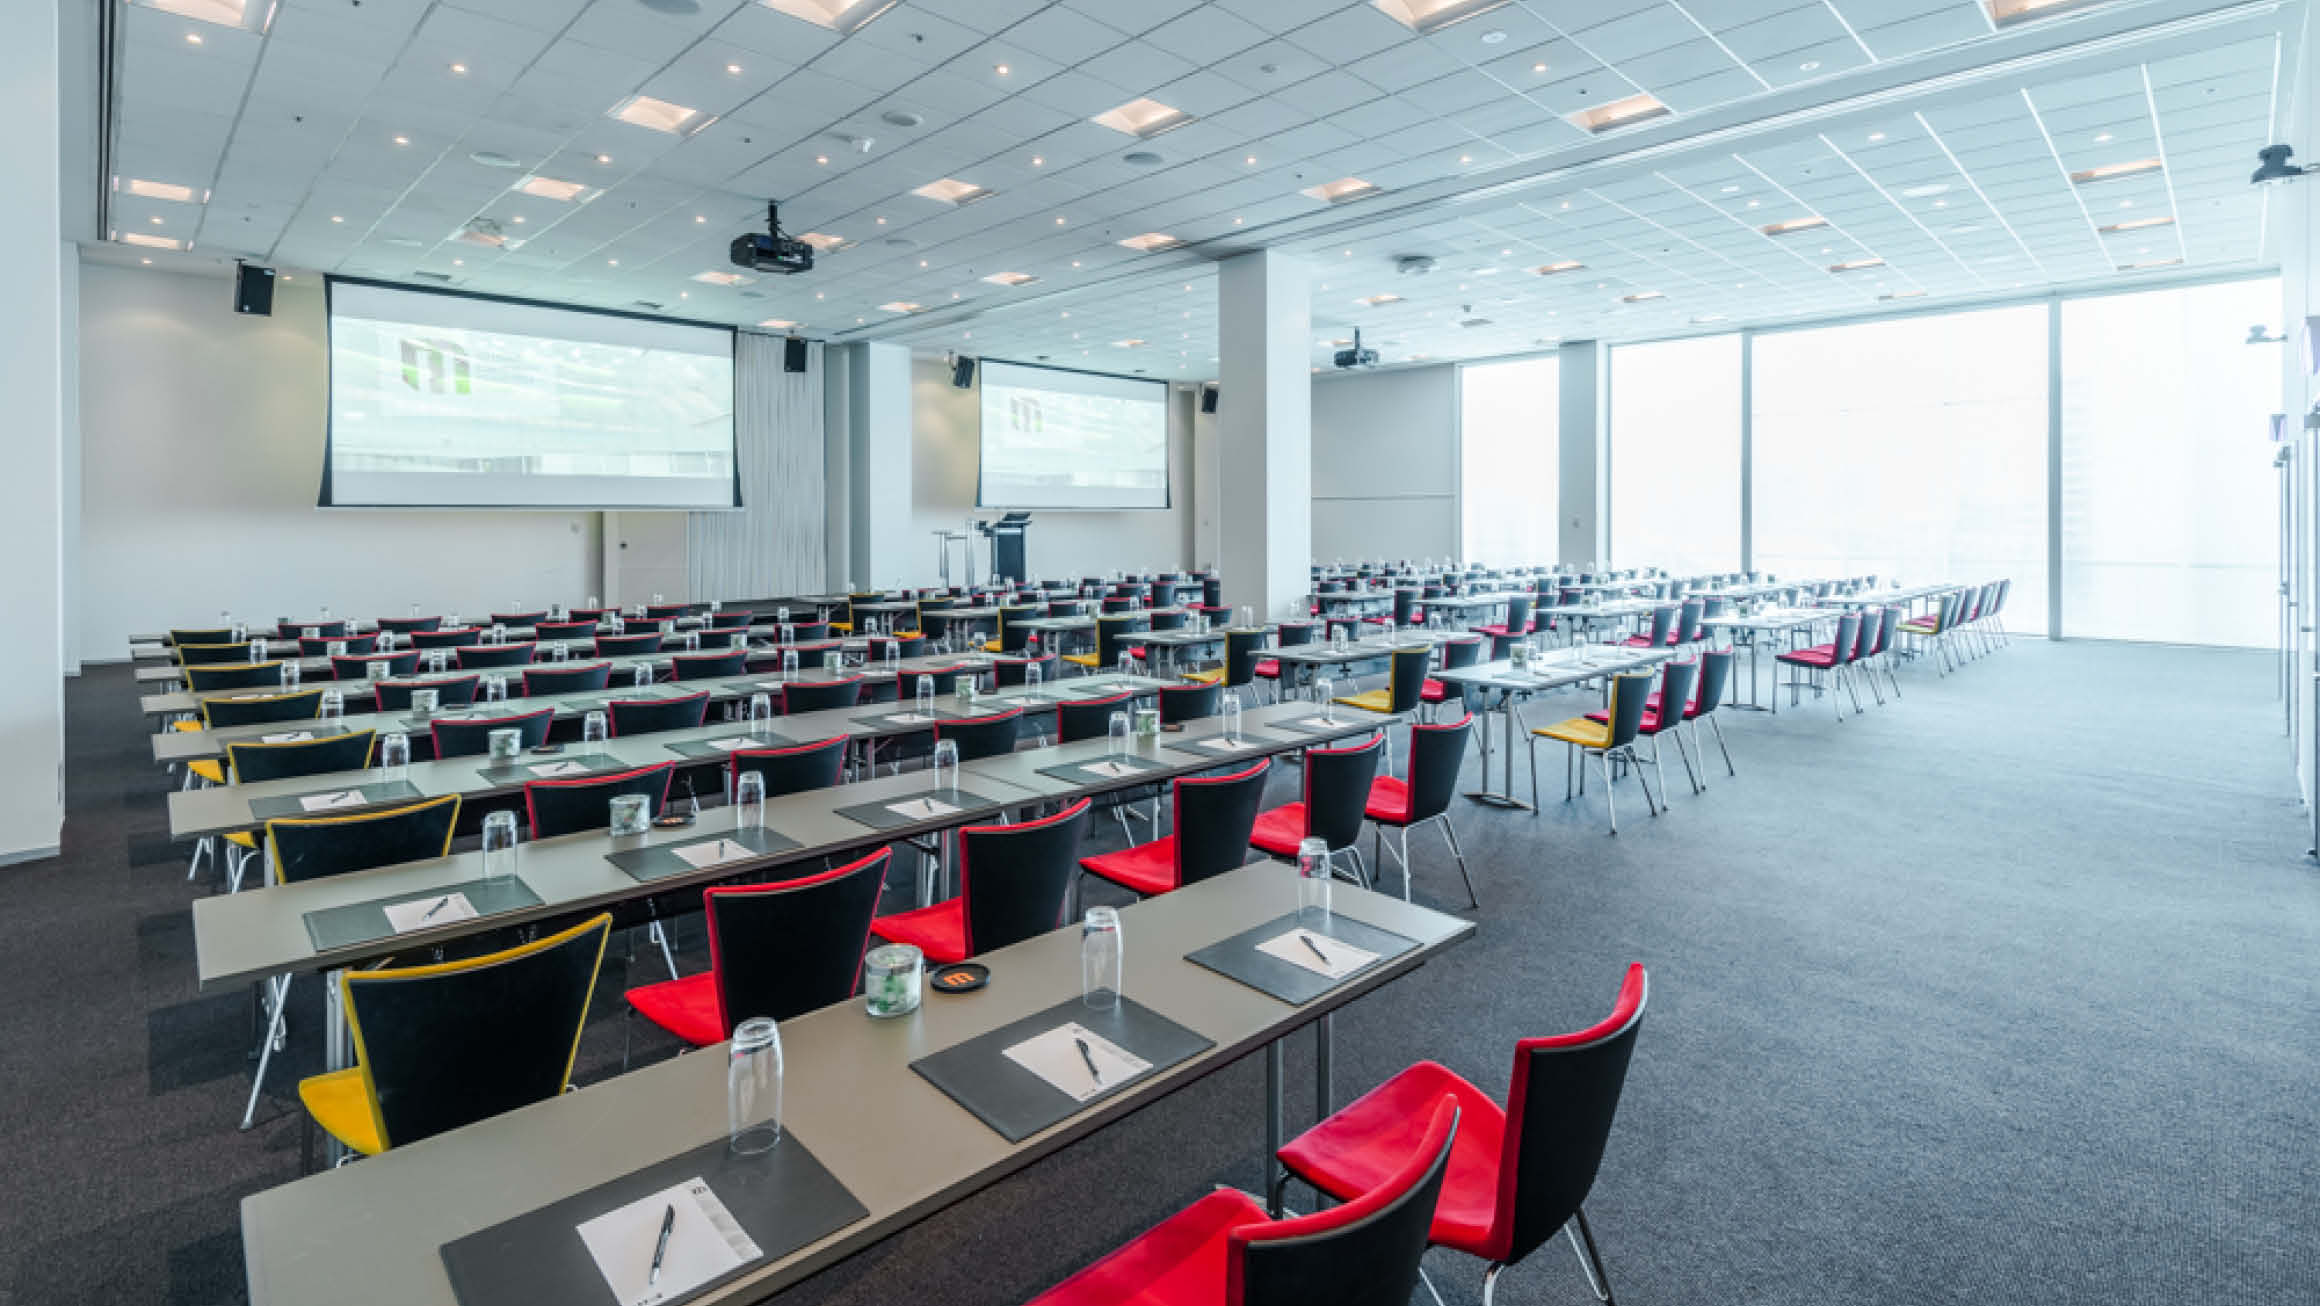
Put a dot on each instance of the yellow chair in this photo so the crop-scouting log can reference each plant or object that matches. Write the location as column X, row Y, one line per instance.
column 442, row 1046
column 1110, row 627
column 1404, row 688
column 846, row 627
column 216, row 713
column 1613, row 736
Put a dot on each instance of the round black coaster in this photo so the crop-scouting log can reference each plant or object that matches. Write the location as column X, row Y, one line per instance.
column 959, row 977
column 673, row 822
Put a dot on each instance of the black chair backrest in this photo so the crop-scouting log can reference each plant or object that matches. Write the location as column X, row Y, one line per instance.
column 1630, row 694
column 1458, row 653
column 1110, row 631
column 643, row 716
column 787, row 948
column 1688, row 620
column 1848, row 635
column 1559, row 1109
column 1167, row 620
column 1294, row 633
column 570, row 678
column 912, row 646
column 1407, row 679
column 709, row 666
column 1663, row 621
column 181, row 636
column 1189, row 702
column 450, row 691
column 1063, row 607
column 1337, row 782
column 667, row 611
column 731, row 620
column 532, row 618
column 204, row 655
column 1211, row 592
column 318, row 646
column 1089, row 718
column 403, row 663
column 553, row 807
column 1675, row 692
column 819, row 695
column 447, row 1045
column 1715, row 675
column 794, row 768
column 1363, row 1253
column 1213, row 817
column 1405, row 606
column 946, row 680
column 299, row 629
column 613, row 646
column 1007, row 672
column 1436, row 754
column 982, row 736
column 234, row 675
column 446, row 638
column 1016, row 879
column 407, row 625
column 1114, row 603
column 254, row 760
column 564, row 630
column 312, row 847
column 1865, row 636
column 473, row 656
column 472, row 737
column 299, row 706
column 1518, row 614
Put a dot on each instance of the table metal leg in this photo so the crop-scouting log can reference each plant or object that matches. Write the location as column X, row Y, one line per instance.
column 1275, row 1180
column 1324, row 1045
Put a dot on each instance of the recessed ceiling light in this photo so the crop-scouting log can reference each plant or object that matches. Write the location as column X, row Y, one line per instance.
column 1010, row 278
column 603, row 158
column 2103, row 139
column 1926, row 191
column 1856, row 264
column 1876, row 136
column 1151, row 240
column 548, row 188
column 1340, row 190
column 824, row 243
column 149, row 242
column 159, row 190
column 518, row 218
column 952, row 191
column 224, row 13
column 146, row 261
column 1059, row 219
column 155, row 219
column 612, row 262
column 1251, row 160
column 193, row 38
column 1791, row 226
column 1550, row 269
column 1642, row 296
column 1809, row 66
column 700, row 217
column 459, row 262
column 2137, row 224
column 720, row 278
column 2004, row 12
column 822, row 159
column 1427, row 16
column 2149, row 263
column 2114, row 171
column 1539, row 67
column 733, row 70
column 336, row 218
column 1619, row 113
column 1130, row 343
column 657, row 115
column 899, row 306
column 459, row 69
column 1379, row 301
column 1731, row 190
column 1142, row 118
column 841, row 16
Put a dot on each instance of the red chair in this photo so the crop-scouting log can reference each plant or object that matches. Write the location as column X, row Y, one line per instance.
column 1464, row 651
column 1224, row 1250
column 1022, row 890
column 1677, row 680
column 1516, row 1176
column 1830, row 659
column 1292, row 634
column 1335, row 789
column 1436, row 754
column 1208, row 836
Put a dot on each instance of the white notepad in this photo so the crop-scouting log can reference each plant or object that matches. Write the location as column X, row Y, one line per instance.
column 287, row 737
column 1110, row 770
column 1343, row 958
column 713, row 852
column 550, row 769
column 426, row 913
column 705, row 1242
column 1219, row 744
column 921, row 809
column 1054, row 1057
column 909, row 718
column 331, row 801
column 729, row 745
column 1317, row 722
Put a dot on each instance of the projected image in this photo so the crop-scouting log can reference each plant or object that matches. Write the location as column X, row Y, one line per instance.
column 578, row 410
column 1056, row 439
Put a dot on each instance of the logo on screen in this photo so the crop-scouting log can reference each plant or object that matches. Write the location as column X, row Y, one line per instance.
column 1026, row 412
column 446, row 367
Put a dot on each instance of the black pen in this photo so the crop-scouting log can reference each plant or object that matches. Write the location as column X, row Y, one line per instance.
column 440, row 904
column 1088, row 1057
column 1315, row 949
column 661, row 1247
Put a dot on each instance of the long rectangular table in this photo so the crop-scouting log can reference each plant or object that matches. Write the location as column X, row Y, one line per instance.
column 371, row 1233
column 1556, row 669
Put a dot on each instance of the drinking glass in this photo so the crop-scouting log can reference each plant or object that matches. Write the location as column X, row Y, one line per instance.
column 761, row 712
column 1325, row 690
column 425, row 701
column 414, row 610
column 781, row 616
column 946, row 766
column 630, row 814
column 451, row 621
column 894, row 655
column 1101, row 962
column 377, row 671
column 619, row 626
column 333, row 704
column 289, row 675
column 438, row 660
column 394, row 755
column 692, row 641
column 786, row 634
column 789, row 665
column 642, row 675
column 749, row 801
column 258, row 650
column 656, row 600
column 925, row 695
column 593, row 731
column 1231, row 711
column 595, row 601
column 1119, row 734
column 753, row 1087
column 1032, row 673
column 1127, row 665
column 499, row 845
column 1313, row 876
column 557, row 652
column 499, row 632
column 335, row 648
column 236, row 632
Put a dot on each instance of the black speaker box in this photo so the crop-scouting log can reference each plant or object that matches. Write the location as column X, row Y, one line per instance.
column 1208, row 399
column 793, row 355
column 962, row 372
column 253, row 289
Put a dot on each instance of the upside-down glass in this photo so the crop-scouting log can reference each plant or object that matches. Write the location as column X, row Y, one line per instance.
column 894, row 656
column 438, row 660
column 833, row 662
column 1127, row 664
column 946, row 766
column 749, row 801
column 289, row 674
column 1313, row 877
column 785, row 634
column 642, row 675
column 753, row 1087
column 258, row 649
column 761, row 711
column 692, row 641
column 1032, row 672
column 333, row 704
column 925, row 695
column 1101, row 959
column 1230, row 710
column 1325, row 691
column 557, row 652
column 789, row 664
column 499, row 632
column 377, row 671
column 499, row 845
column 495, row 688
column 1118, row 731
column 593, row 731
column 394, row 755
column 595, row 601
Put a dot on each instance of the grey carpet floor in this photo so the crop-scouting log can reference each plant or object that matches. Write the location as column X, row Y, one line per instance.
column 2005, row 992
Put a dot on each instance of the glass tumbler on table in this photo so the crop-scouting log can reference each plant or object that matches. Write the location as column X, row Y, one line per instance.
column 1325, row 691
column 946, row 766
column 760, row 714
column 394, row 755
column 753, row 1087
column 289, row 675
column 642, row 676
column 1101, row 960
column 594, row 731
column 749, row 801
column 1119, row 734
column 789, row 664
column 1314, row 869
column 925, row 695
column 333, row 704
column 499, row 845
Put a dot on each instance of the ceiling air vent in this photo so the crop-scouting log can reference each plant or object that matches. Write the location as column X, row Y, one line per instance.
column 439, row 278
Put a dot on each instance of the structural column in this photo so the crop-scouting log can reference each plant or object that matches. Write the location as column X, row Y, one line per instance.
column 1264, row 432
column 1583, row 463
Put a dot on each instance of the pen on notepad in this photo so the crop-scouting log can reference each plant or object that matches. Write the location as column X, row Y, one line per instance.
column 1089, row 1058
column 661, row 1245
column 1315, row 949
column 440, row 904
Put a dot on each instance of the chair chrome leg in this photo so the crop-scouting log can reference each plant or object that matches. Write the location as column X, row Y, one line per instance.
column 1450, row 833
column 1490, row 1281
column 1611, row 791
column 1718, row 727
column 1590, row 1259
column 1429, row 1282
column 201, row 849
column 278, row 992
column 668, row 954
column 1684, row 750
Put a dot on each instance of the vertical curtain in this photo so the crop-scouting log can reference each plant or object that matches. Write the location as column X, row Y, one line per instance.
column 774, row 544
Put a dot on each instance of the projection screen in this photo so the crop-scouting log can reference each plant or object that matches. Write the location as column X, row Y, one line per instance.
column 1059, row 439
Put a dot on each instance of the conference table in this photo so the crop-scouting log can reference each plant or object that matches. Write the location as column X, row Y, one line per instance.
column 1504, row 685
column 1763, row 626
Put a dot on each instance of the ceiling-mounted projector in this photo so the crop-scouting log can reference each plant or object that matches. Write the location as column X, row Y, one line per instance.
column 772, row 251
column 1357, row 356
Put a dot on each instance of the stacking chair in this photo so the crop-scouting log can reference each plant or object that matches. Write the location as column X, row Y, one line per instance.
column 1877, row 628
column 1663, row 628
column 1014, row 884
column 1111, row 632
column 1603, row 740
column 318, row 646
column 982, row 736
column 437, row 1047
column 325, row 629
column 708, row 666
column 1089, row 718
column 946, row 681
column 1436, row 754
column 1830, row 660
column 1329, row 807
column 1009, row 673
column 667, row 611
column 1240, row 661
column 473, row 656
column 1518, row 1175
column 250, row 761
column 1292, row 634
column 792, row 768
column 1517, row 623
column 779, row 950
column 450, row 691
column 1456, row 653
column 912, row 645
column 297, row 705
column 614, row 646
column 1012, row 638
column 566, row 678
column 1676, row 683
column 819, row 695
column 1224, row 1250
column 520, row 619
column 1932, row 632
column 1208, row 836
column 1189, row 702
column 472, row 737
column 403, row 662
column 206, row 655
column 410, row 625
column 441, row 638
column 644, row 716
column 1404, row 689
column 233, row 675
column 554, row 807
column 566, row 631
column 846, row 627
column 180, row 636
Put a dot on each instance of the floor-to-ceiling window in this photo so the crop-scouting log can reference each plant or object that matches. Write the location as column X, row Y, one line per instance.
column 1675, row 455
column 2169, row 522
column 1507, row 461
column 1912, row 448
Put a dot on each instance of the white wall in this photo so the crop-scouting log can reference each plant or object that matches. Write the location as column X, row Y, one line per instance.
column 947, row 427
column 201, row 437
column 1385, row 464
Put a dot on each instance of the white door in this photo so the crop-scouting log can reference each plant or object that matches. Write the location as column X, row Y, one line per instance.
column 644, row 555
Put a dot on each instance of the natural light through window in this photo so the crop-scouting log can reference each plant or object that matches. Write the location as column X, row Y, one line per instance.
column 1507, row 461
column 1675, row 455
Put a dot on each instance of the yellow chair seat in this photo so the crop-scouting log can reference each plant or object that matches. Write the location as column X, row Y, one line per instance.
column 842, row 627
column 1578, row 730
column 340, row 1104
column 1082, row 660
column 242, row 839
column 209, row 769
column 189, row 725
column 1375, row 700
column 1212, row 676
column 991, row 646
column 1917, row 628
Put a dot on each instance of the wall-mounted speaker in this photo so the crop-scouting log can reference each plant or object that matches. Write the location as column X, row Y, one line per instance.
column 1208, row 399
column 253, row 289
column 962, row 372
column 793, row 355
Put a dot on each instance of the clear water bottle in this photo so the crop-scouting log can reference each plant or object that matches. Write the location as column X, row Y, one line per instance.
column 753, row 1087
